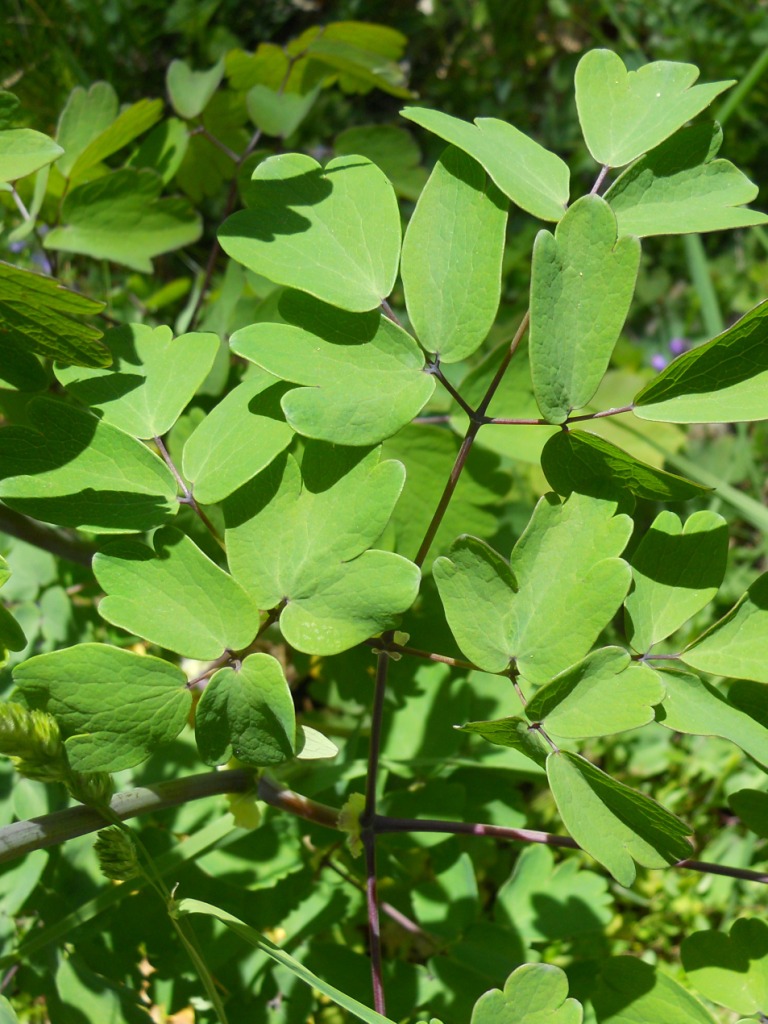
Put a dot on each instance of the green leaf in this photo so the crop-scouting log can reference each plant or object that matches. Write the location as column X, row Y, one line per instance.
column 512, row 732
column 566, row 567
column 725, row 380
column 163, row 150
column 612, row 822
column 578, row 460
column 693, row 707
column 633, row 992
column 24, row 151
column 677, row 570
column 751, row 806
column 85, row 116
column 605, row 693
column 12, row 636
column 533, row 994
column 535, row 179
column 189, row 90
column 312, row 745
column 279, row 113
column 300, row 536
column 256, row 939
column 152, row 378
column 21, row 371
column 582, row 283
column 121, row 217
column 7, row 1013
column 174, row 596
column 365, row 376
column 333, row 232
column 392, row 149
column 133, row 121
column 71, row 469
column 10, row 106
column 366, row 55
column 37, row 314
column 731, row 970
column 544, row 902
column 237, row 439
column 624, row 113
column 737, row 645
column 451, row 261
column 247, row 713
column 679, row 188
column 116, row 707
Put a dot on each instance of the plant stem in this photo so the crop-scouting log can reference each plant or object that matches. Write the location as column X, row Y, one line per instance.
column 187, row 497
column 56, row 541
column 444, row 659
column 437, row 372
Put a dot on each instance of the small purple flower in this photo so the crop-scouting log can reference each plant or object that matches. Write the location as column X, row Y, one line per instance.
column 678, row 345
column 658, row 362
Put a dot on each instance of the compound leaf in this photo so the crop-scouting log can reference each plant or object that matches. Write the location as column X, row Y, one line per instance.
column 535, row 179
column 677, row 570
column 152, row 378
column 364, row 375
column 731, row 970
column 452, row 253
column 582, row 282
column 615, row 824
column 632, row 992
column 115, row 707
column 247, row 713
column 72, row 469
column 533, row 994
column 174, row 596
column 725, row 380
column 737, row 645
column 333, row 232
column 679, row 188
column 624, row 113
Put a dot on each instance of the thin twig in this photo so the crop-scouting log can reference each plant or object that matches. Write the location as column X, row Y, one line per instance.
column 444, row 659
column 187, row 497
column 435, row 370
column 58, row 543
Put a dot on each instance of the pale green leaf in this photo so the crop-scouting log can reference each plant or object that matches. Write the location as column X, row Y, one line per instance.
column 731, row 970
column 723, row 381
column 624, row 113
column 312, row 745
column 163, row 150
column 24, row 151
column 511, row 732
column 692, row 706
column 333, row 232
column 614, row 823
column 190, row 90
column 174, row 596
column 72, row 469
column 279, row 113
column 578, row 460
column 533, row 994
column 605, row 693
column 299, row 537
column 679, row 188
column 451, row 261
column 677, row 570
column 7, row 1013
column 247, row 713
column 237, row 439
column 535, row 179
column 364, row 375
column 361, row 59
column 751, row 805
column 152, row 378
column 737, row 645
column 115, row 707
column 37, row 314
column 85, row 116
column 133, row 121
column 582, row 282
column 121, row 217
column 254, row 938
column 392, row 149
column 630, row 991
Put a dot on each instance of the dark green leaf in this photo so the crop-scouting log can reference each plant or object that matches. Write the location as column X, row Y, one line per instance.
column 751, row 805
column 511, row 732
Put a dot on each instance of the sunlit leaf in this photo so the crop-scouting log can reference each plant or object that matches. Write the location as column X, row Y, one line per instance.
column 24, row 151
column 191, row 90
column 630, row 991
column 533, row 994
column 131, row 122
column 737, row 645
column 731, row 970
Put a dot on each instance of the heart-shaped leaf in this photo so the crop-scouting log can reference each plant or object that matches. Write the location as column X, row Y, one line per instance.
column 85, row 116
column 630, row 991
column 392, row 149
column 605, row 693
column 152, row 378
column 72, row 469
column 247, row 713
column 724, row 381
column 333, row 232
column 298, row 538
column 533, row 994
column 115, row 707
column 130, row 123
column 615, row 824
column 451, row 262
column 737, row 645
column 535, row 179
column 582, row 282
column 190, row 90
column 174, row 596
column 364, row 375
column 624, row 113
column 679, row 188
column 677, row 570
column 24, row 151
column 731, row 970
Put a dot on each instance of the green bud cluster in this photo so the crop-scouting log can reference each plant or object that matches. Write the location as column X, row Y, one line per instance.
column 117, row 854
